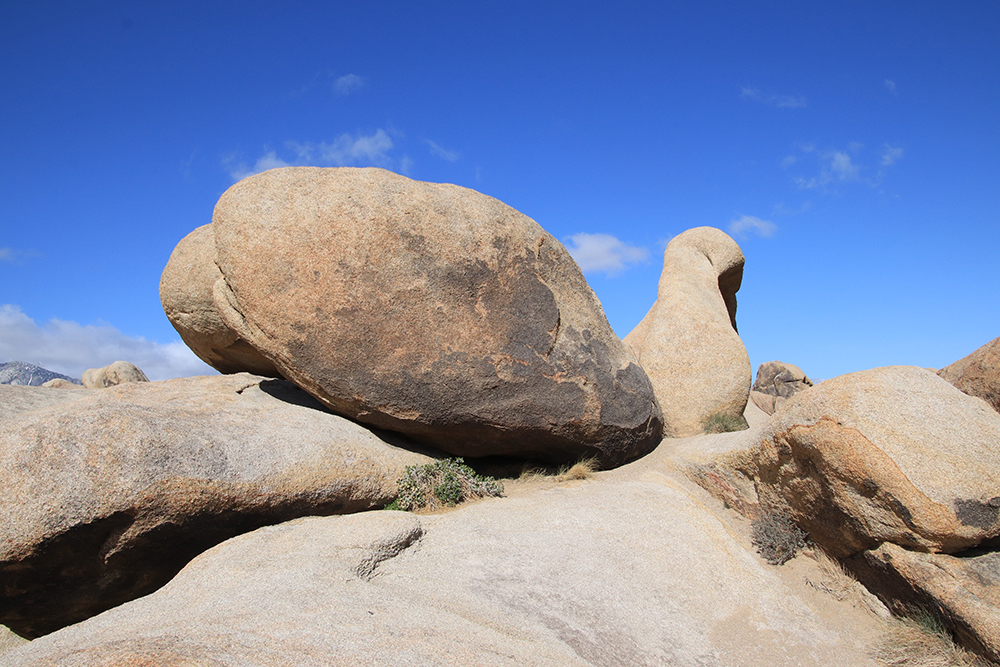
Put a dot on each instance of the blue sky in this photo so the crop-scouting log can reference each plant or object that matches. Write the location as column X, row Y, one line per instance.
column 851, row 148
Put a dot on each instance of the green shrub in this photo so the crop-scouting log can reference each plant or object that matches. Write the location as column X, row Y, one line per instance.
column 720, row 422
column 445, row 482
column 776, row 537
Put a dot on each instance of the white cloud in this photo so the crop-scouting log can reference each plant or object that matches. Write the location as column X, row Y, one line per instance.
column 269, row 160
column 347, row 150
column 779, row 101
column 71, row 348
column 6, row 255
column 748, row 224
column 835, row 167
column 841, row 167
column 603, row 253
column 789, row 160
column 347, row 84
column 891, row 155
column 890, row 85
column 441, row 152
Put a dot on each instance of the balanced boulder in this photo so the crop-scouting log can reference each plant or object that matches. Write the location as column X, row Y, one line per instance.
column 186, row 293
column 431, row 310
column 892, row 454
column 687, row 343
column 107, row 496
column 978, row 374
column 777, row 382
column 114, row 374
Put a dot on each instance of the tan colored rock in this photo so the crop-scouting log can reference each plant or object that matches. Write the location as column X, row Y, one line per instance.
column 963, row 592
column 106, row 497
column 892, row 454
column 114, row 374
column 15, row 399
column 978, row 374
column 687, row 343
column 186, row 293
column 589, row 574
column 777, row 382
column 59, row 383
column 430, row 310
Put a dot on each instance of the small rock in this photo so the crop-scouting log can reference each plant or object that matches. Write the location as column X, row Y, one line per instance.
column 978, row 374
column 117, row 373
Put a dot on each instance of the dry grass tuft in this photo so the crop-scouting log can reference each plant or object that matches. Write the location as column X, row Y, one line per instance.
column 922, row 642
column 584, row 469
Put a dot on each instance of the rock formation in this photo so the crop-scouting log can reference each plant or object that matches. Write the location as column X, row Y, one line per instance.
column 978, row 374
column 186, row 293
column 108, row 494
column 430, row 310
column 21, row 373
column 112, row 375
column 625, row 569
column 687, row 343
column 777, row 382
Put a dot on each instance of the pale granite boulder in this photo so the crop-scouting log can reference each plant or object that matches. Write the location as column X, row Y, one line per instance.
column 186, row 293
column 687, row 343
column 430, row 310
column 978, row 374
column 112, row 375
column 777, row 382
column 892, row 454
column 107, row 496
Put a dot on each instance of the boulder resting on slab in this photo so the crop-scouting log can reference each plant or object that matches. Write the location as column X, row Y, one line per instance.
column 688, row 343
column 106, row 497
column 431, row 310
column 978, row 374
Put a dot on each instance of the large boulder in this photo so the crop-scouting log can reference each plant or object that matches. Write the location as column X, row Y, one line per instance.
column 616, row 572
column 112, row 375
column 431, row 310
column 107, row 496
column 892, row 454
column 687, row 343
column 777, row 382
column 978, row 374
column 186, row 293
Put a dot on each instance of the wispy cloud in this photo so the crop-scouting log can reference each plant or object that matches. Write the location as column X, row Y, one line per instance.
column 835, row 167
column 603, row 253
column 441, row 152
column 748, row 224
column 891, row 155
column 14, row 256
column 71, row 348
column 347, row 84
column 6, row 255
column 779, row 101
column 890, row 85
column 347, row 150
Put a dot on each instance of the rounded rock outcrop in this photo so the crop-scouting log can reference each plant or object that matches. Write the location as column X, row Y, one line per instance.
column 431, row 310
column 687, row 343
column 186, row 293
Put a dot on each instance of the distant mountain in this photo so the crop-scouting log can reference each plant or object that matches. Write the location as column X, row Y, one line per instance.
column 18, row 372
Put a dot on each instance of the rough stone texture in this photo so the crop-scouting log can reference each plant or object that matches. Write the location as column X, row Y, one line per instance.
column 777, row 382
column 632, row 571
column 978, row 374
column 963, row 592
column 112, row 375
column 892, row 454
column 15, row 399
column 687, row 343
column 431, row 310
column 107, row 496
column 9, row 640
column 186, row 293
column 59, row 383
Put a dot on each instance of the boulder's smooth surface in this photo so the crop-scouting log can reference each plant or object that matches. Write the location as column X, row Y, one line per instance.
column 630, row 571
column 186, row 293
column 978, row 374
column 112, row 375
column 893, row 454
column 15, row 399
column 687, row 343
column 964, row 592
column 430, row 310
column 106, row 497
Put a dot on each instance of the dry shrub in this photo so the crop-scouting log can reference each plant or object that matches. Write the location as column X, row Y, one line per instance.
column 583, row 469
column 777, row 538
column 921, row 641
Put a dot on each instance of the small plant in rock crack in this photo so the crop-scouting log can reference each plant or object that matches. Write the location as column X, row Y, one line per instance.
column 720, row 422
column 776, row 537
column 446, row 482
